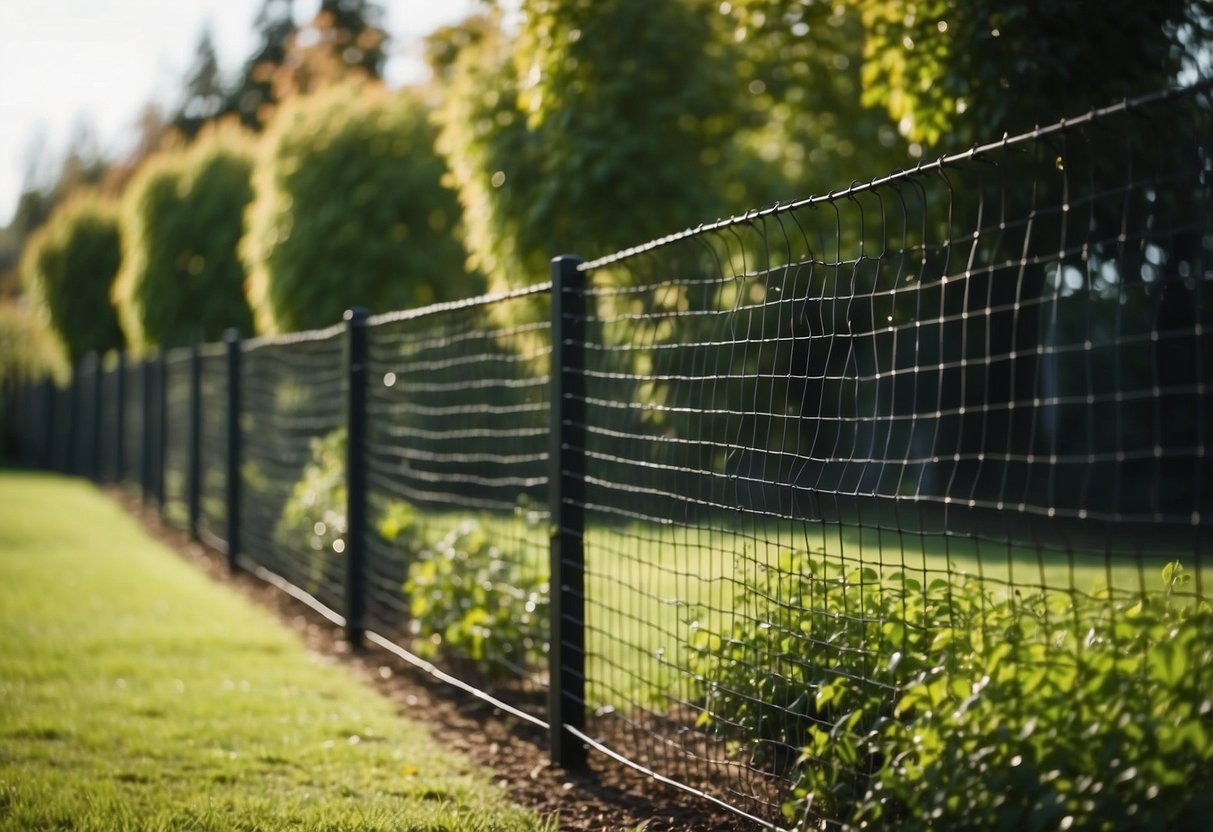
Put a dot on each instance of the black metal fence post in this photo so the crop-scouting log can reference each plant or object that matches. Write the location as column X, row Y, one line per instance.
column 566, row 695
column 232, row 339
column 86, row 370
column 355, row 477
column 193, row 476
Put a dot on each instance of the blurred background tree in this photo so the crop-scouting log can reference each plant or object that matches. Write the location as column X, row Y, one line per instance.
column 952, row 74
column 181, row 279
column 252, row 97
column 68, row 269
column 593, row 127
column 29, row 349
column 204, row 95
column 345, row 41
column 351, row 209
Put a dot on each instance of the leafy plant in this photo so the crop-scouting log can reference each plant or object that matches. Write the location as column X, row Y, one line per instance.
column 472, row 601
column 947, row 706
column 314, row 517
column 181, row 280
column 350, row 210
column 68, row 269
column 315, row 513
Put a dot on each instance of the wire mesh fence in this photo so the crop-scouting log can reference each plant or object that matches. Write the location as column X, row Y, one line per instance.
column 292, row 518
column 825, row 443
column 212, row 445
column 178, row 367
column 456, row 450
column 889, row 507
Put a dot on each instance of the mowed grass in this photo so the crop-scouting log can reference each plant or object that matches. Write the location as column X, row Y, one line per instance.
column 136, row 694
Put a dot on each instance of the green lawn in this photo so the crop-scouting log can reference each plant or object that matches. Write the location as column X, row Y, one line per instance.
column 138, row 695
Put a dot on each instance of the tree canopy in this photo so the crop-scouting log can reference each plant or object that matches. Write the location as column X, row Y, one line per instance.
column 351, row 209
column 181, row 279
column 68, row 269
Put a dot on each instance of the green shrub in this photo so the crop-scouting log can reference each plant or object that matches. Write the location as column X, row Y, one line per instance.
column 314, row 519
column 468, row 599
column 182, row 280
column 351, row 210
column 68, row 269
column 29, row 350
column 314, row 516
column 947, row 706
column 472, row 601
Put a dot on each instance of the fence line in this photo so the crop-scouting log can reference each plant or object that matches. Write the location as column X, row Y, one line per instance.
column 865, row 509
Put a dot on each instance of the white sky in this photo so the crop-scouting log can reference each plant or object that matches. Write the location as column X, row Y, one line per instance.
column 63, row 61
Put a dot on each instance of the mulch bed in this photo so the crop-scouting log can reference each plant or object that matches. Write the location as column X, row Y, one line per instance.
column 608, row 797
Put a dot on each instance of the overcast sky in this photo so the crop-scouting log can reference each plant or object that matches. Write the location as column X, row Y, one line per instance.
column 101, row 61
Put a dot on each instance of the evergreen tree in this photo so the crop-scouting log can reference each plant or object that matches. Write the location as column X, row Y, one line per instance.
column 252, row 97
column 204, row 93
column 343, row 42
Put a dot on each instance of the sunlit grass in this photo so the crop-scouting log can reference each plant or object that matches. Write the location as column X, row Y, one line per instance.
column 139, row 695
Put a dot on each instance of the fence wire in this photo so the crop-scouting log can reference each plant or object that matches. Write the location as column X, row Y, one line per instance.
column 178, row 366
column 987, row 376
column 457, row 573
column 292, row 519
column 213, row 445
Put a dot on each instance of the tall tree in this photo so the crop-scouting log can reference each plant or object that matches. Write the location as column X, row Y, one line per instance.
column 252, row 96
column 204, row 94
column 351, row 209
column 597, row 126
column 345, row 41
column 955, row 73
column 181, row 279
column 68, row 269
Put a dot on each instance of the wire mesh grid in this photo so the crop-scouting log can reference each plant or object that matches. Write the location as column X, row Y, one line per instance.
column 456, row 451
column 133, row 424
column 176, row 404
column 292, row 485
column 212, row 445
column 109, row 445
column 826, row 439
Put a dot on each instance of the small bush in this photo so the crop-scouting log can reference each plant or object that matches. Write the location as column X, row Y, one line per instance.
column 29, row 351
column 472, row 601
column 68, row 270
column 351, row 210
column 182, row 280
column 468, row 599
column 945, row 706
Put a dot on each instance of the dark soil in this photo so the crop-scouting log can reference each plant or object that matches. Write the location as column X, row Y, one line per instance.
column 610, row 796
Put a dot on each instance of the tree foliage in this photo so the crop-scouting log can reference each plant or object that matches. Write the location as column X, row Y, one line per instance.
column 182, row 280
column 591, row 129
column 956, row 73
column 252, row 97
column 351, row 210
column 29, row 349
column 204, row 95
column 344, row 42
column 68, row 269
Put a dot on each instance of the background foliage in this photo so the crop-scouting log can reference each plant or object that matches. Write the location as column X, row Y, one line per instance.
column 181, row 279
column 351, row 210
column 68, row 269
